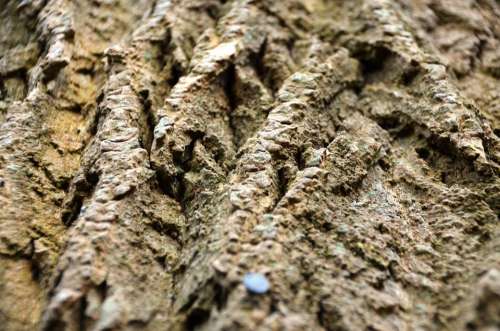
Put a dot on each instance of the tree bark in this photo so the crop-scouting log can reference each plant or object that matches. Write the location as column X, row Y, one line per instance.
column 154, row 153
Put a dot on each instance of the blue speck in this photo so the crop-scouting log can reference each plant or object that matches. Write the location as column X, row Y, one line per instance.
column 256, row 282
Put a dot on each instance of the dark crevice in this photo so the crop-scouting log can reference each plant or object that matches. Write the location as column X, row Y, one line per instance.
column 55, row 283
column 358, row 89
column 342, row 189
column 148, row 125
column 55, row 325
column 220, row 296
column 165, row 182
column 3, row 92
column 83, row 321
column 389, row 123
column 196, row 315
column 397, row 126
column 380, row 63
column 161, row 261
column 229, row 85
column 123, row 195
column 167, row 229
column 82, row 306
column 329, row 319
column 51, row 69
column 36, row 271
column 211, row 293
column 476, row 60
column 165, row 50
column 102, row 289
column 176, row 73
column 257, row 62
column 196, row 318
column 152, row 7
column 212, row 10
column 299, row 159
column 422, row 152
column 372, row 60
column 410, row 73
column 282, row 182
column 86, row 71
column 75, row 108
column 70, row 214
column 173, row 184
column 82, row 188
column 183, row 160
column 386, row 166
column 94, row 121
column 496, row 131
column 326, row 227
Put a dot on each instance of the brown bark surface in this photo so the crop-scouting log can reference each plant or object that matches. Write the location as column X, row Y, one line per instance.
column 152, row 153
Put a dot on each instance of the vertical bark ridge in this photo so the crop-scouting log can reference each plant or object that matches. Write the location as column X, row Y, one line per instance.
column 42, row 136
column 265, row 164
column 123, row 204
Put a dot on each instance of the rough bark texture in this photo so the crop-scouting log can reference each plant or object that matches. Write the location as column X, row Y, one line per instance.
column 154, row 152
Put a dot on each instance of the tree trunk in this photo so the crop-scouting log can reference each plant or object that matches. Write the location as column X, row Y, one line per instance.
column 250, row 165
